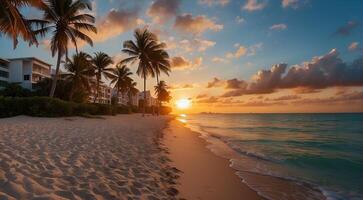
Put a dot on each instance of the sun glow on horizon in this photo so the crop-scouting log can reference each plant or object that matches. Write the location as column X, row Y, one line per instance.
column 183, row 103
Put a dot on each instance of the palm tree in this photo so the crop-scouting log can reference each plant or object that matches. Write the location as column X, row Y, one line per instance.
column 120, row 79
column 161, row 93
column 101, row 64
column 64, row 19
column 140, row 51
column 161, row 63
column 13, row 23
column 79, row 68
column 131, row 90
column 160, row 88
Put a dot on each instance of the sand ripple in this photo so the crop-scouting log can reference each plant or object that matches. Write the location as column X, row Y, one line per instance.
column 77, row 158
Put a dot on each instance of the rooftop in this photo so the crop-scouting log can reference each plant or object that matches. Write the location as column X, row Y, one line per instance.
column 31, row 58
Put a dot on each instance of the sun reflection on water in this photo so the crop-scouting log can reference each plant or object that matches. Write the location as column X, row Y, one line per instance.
column 182, row 118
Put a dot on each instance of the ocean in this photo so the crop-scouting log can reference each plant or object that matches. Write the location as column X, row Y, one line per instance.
column 289, row 156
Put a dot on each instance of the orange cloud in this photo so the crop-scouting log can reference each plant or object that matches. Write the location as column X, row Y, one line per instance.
column 115, row 23
column 244, row 51
column 321, row 72
column 181, row 63
column 163, row 10
column 197, row 25
column 188, row 46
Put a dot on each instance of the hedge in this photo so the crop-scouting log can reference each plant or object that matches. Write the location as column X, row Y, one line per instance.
column 53, row 107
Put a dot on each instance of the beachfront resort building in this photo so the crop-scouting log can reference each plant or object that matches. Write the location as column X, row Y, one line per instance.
column 150, row 100
column 4, row 72
column 24, row 71
column 123, row 98
column 104, row 95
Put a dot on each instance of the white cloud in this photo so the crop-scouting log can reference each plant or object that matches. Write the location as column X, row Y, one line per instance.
column 278, row 27
column 254, row 5
column 239, row 20
column 214, row 2
column 290, row 3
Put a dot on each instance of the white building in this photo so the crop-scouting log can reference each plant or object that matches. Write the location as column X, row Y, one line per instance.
column 151, row 101
column 4, row 72
column 123, row 99
column 24, row 71
column 104, row 95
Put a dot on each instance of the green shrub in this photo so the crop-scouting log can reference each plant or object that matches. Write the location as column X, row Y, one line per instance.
column 53, row 107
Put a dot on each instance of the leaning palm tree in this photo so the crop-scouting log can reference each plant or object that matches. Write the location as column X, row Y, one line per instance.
column 101, row 64
column 66, row 21
column 13, row 23
column 120, row 79
column 140, row 51
column 79, row 70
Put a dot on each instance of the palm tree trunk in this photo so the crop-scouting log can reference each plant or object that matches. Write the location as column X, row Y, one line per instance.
column 143, row 109
column 157, row 99
column 97, row 89
column 117, row 93
column 55, row 78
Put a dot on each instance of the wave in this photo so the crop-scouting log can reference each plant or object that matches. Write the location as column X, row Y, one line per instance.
column 307, row 189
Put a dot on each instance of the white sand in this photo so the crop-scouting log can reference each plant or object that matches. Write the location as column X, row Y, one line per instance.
column 78, row 158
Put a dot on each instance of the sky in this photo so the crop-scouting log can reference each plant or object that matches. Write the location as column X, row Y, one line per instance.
column 239, row 55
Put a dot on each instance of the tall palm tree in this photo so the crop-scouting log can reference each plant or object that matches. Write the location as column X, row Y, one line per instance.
column 101, row 64
column 13, row 23
column 161, row 63
column 140, row 51
column 66, row 21
column 120, row 79
column 79, row 68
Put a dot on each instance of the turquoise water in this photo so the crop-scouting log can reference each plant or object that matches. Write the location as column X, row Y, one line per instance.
column 311, row 151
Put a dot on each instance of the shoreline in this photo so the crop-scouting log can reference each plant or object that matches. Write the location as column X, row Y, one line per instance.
column 204, row 175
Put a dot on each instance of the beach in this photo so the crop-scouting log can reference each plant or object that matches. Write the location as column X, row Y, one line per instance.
column 204, row 175
column 117, row 157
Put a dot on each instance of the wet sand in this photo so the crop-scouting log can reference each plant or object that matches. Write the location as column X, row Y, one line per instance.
column 204, row 176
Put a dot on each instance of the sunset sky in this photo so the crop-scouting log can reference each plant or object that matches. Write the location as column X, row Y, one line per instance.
column 241, row 56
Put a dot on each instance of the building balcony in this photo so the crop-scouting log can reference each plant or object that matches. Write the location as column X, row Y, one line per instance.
column 41, row 73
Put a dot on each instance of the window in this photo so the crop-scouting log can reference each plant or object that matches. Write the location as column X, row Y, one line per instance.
column 3, row 83
column 26, row 77
column 4, row 74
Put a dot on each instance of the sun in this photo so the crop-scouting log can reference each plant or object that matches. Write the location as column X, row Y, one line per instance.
column 183, row 103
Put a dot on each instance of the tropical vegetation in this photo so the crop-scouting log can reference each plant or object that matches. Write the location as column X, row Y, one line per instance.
column 67, row 24
column 149, row 54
